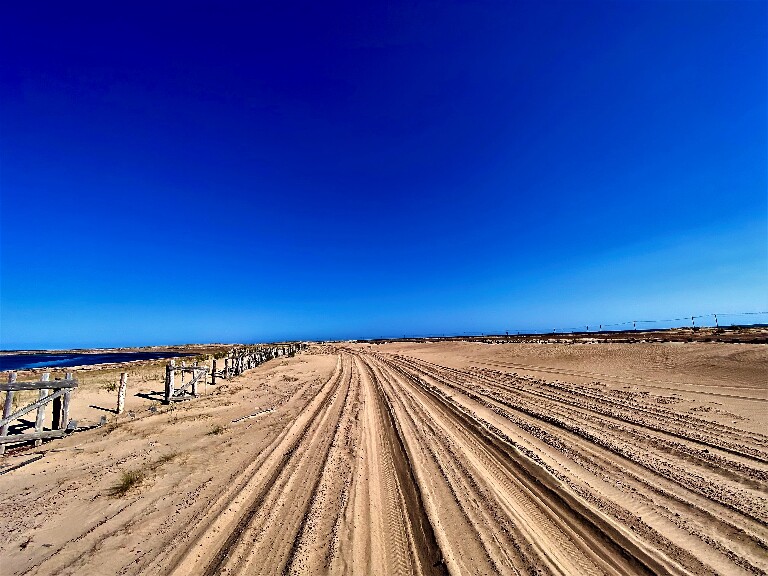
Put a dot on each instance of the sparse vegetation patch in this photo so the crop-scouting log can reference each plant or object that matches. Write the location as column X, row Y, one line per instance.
column 128, row 479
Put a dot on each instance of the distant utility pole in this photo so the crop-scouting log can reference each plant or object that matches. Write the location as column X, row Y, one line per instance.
column 716, row 324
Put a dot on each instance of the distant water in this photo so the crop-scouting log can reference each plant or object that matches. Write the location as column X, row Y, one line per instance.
column 67, row 359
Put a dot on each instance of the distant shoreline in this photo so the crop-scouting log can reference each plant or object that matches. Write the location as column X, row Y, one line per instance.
column 34, row 361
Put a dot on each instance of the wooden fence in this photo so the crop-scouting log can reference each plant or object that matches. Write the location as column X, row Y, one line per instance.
column 58, row 393
column 237, row 361
column 241, row 359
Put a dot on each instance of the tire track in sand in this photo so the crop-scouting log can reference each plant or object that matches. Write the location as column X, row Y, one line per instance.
column 218, row 532
column 335, row 494
column 567, row 536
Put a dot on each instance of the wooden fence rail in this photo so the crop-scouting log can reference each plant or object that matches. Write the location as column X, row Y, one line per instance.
column 57, row 392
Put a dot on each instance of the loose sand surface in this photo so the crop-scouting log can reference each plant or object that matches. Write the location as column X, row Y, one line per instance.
column 416, row 458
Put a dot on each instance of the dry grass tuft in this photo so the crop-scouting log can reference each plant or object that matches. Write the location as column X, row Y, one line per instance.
column 165, row 458
column 109, row 428
column 128, row 479
column 216, row 430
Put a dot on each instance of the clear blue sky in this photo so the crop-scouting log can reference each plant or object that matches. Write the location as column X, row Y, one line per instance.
column 197, row 172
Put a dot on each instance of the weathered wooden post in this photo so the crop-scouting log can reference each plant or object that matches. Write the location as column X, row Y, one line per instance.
column 40, row 420
column 121, row 392
column 226, row 367
column 195, row 375
column 7, row 408
column 213, row 373
column 169, row 370
column 65, row 405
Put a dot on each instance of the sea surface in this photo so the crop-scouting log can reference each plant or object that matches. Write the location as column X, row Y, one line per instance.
column 68, row 359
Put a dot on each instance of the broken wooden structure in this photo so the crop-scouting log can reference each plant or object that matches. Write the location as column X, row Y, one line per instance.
column 57, row 393
column 186, row 390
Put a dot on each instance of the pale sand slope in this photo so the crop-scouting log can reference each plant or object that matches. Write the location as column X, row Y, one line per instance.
column 421, row 459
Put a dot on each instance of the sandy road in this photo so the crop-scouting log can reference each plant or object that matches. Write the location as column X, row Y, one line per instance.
column 333, row 494
column 393, row 464
column 404, row 469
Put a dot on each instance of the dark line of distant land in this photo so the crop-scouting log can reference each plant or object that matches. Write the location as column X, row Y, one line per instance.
column 741, row 334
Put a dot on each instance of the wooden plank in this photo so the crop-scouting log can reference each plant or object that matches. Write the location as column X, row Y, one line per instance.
column 34, row 406
column 181, row 398
column 254, row 415
column 40, row 384
column 192, row 369
column 36, row 436
column 17, row 466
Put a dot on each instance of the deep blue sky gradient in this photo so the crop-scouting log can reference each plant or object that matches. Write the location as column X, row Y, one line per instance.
column 197, row 172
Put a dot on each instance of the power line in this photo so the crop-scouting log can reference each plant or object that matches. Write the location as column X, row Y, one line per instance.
column 634, row 323
column 584, row 328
